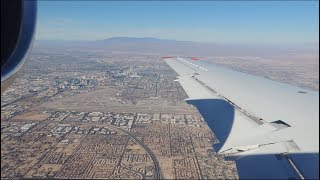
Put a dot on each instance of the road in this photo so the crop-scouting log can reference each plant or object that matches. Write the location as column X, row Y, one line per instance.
column 153, row 157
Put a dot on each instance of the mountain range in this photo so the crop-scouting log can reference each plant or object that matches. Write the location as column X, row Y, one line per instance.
column 173, row 47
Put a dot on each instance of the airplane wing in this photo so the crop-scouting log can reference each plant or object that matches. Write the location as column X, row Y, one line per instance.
column 270, row 129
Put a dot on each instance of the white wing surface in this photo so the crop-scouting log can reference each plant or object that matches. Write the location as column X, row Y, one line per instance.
column 271, row 129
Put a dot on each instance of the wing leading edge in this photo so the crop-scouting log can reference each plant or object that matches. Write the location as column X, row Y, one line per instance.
column 270, row 129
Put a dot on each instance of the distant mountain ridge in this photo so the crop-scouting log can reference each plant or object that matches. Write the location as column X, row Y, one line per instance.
column 164, row 46
column 138, row 39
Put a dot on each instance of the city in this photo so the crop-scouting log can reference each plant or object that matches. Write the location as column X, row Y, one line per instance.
column 104, row 115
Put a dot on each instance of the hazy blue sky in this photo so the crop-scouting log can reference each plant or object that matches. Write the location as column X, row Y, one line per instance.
column 262, row 22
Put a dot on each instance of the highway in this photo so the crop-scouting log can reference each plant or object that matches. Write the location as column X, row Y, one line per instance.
column 157, row 169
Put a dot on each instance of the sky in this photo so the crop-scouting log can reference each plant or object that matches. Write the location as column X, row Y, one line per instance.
column 233, row 22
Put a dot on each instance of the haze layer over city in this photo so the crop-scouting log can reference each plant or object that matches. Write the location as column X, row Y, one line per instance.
column 100, row 102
